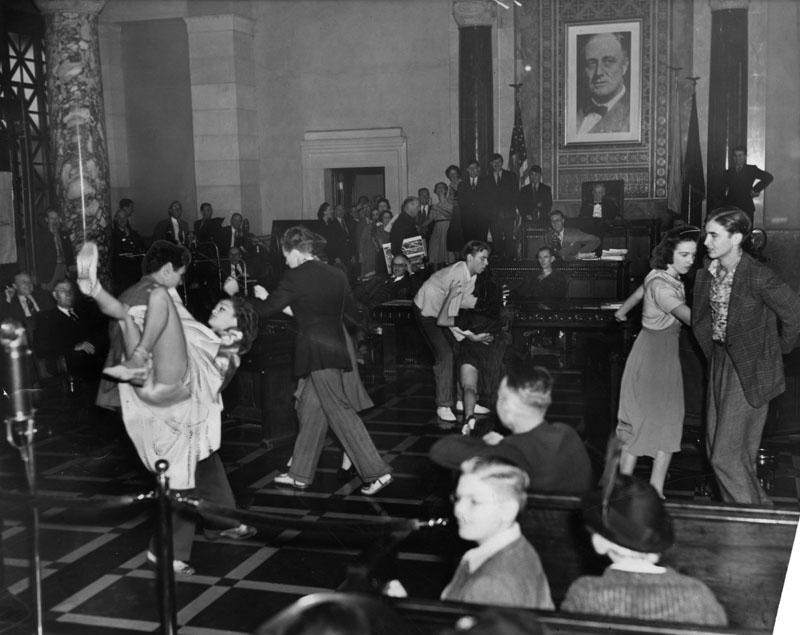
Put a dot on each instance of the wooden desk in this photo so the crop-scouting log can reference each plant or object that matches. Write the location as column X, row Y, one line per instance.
column 606, row 279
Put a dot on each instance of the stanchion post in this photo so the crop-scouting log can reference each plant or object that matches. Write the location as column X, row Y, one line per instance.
column 21, row 433
column 164, row 557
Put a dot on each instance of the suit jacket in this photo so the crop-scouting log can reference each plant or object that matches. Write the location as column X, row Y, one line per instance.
column 617, row 119
column 536, row 204
column 763, row 322
column 738, row 185
column 57, row 334
column 223, row 240
column 206, row 230
column 13, row 310
column 320, row 298
column 500, row 198
column 334, row 240
column 471, row 206
column 47, row 256
column 403, row 227
column 164, row 231
column 574, row 242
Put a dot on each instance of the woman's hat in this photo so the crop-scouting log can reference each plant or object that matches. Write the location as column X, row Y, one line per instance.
column 631, row 515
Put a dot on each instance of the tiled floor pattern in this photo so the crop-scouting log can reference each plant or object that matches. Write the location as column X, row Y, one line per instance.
column 93, row 562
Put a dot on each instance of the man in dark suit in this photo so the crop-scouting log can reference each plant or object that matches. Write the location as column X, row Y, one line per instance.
column 207, row 227
column 405, row 225
column 535, row 200
column 601, row 207
column 75, row 336
column 499, row 192
column 606, row 64
column 474, row 221
column 23, row 302
column 347, row 232
column 744, row 317
column 744, row 182
column 174, row 229
column 232, row 235
column 54, row 255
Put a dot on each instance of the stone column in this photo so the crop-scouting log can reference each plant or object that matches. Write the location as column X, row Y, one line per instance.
column 475, row 82
column 222, row 68
column 727, row 90
column 77, row 122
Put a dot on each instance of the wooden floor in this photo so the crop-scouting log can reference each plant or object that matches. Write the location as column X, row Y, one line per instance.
column 95, row 576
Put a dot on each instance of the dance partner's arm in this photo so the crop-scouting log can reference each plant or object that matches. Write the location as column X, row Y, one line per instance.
column 621, row 314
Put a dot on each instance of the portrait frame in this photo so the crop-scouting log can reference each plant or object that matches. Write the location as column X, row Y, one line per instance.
column 623, row 121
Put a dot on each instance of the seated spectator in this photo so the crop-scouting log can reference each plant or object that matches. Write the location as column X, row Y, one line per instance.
column 631, row 526
column 233, row 235
column 401, row 285
column 71, row 338
column 567, row 242
column 601, row 207
column 504, row 569
column 483, row 336
column 23, row 301
column 549, row 283
column 552, row 454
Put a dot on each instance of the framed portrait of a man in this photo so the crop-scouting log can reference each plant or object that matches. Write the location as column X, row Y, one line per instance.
column 603, row 82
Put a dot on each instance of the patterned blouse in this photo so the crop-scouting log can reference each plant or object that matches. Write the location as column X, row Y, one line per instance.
column 719, row 298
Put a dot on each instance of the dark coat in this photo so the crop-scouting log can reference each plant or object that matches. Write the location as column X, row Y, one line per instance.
column 535, row 204
column 403, row 227
column 739, row 184
column 164, row 231
column 223, row 240
column 321, row 300
column 14, row 311
column 47, row 256
column 57, row 334
column 610, row 209
column 474, row 218
column 763, row 323
column 499, row 199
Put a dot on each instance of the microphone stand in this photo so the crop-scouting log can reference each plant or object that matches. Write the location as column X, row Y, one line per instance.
column 20, row 433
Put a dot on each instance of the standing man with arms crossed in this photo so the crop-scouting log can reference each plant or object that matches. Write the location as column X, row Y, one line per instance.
column 499, row 193
column 743, row 317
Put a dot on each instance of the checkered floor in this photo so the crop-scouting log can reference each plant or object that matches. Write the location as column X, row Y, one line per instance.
column 95, row 576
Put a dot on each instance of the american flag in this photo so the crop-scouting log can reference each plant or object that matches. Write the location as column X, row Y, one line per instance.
column 518, row 153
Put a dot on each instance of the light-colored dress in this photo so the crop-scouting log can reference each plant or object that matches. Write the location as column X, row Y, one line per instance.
column 189, row 431
column 441, row 213
column 651, row 408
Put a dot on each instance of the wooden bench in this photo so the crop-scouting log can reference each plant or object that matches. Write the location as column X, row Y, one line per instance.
column 740, row 552
column 422, row 617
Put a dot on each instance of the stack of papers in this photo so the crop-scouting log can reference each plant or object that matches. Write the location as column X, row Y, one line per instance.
column 586, row 255
column 614, row 254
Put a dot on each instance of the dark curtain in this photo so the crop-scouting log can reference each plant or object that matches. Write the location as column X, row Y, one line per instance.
column 476, row 119
column 727, row 99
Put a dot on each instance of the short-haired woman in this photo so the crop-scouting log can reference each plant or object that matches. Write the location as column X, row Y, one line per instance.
column 651, row 408
column 320, row 299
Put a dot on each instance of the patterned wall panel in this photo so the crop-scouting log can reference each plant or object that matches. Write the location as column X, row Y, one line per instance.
column 541, row 28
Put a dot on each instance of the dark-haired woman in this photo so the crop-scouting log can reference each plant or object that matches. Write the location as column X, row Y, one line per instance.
column 651, row 409
column 327, row 395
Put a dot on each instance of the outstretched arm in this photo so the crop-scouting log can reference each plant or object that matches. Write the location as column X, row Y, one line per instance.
column 621, row 314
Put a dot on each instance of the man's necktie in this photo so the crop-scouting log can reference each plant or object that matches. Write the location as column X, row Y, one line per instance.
column 596, row 108
column 556, row 242
column 473, row 182
column 73, row 315
column 497, row 178
column 26, row 309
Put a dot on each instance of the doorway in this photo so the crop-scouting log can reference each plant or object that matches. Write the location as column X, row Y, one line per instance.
column 347, row 185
